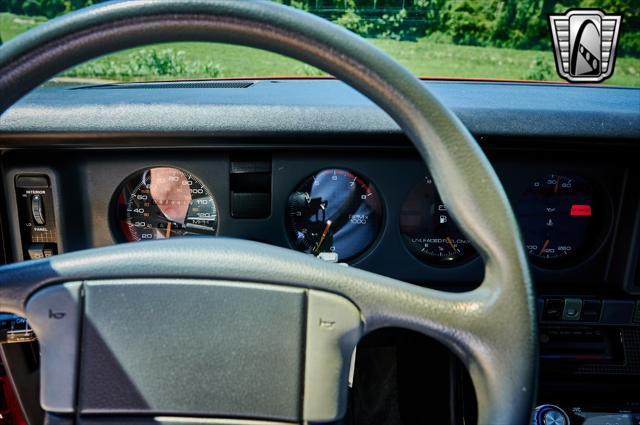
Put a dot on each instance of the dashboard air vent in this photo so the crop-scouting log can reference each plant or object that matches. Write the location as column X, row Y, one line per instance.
column 250, row 184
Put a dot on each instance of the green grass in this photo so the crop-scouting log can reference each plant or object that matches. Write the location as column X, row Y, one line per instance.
column 12, row 25
column 424, row 58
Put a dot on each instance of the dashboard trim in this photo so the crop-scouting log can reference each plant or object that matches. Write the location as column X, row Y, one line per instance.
column 315, row 109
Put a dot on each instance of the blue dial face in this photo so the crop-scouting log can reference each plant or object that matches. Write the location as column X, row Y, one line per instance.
column 335, row 214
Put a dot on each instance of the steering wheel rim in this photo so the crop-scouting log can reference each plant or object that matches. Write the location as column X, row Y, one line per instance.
column 502, row 364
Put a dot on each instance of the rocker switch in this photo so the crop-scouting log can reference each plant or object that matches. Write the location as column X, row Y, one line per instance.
column 37, row 210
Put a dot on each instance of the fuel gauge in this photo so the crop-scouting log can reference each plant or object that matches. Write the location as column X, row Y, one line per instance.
column 427, row 228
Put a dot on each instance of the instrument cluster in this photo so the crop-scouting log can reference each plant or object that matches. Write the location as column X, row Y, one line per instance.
column 337, row 214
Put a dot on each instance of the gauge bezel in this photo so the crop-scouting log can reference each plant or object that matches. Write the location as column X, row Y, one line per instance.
column 430, row 260
column 117, row 223
column 602, row 226
column 382, row 218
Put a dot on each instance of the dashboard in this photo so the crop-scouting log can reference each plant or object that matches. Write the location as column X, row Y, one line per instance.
column 377, row 211
column 311, row 165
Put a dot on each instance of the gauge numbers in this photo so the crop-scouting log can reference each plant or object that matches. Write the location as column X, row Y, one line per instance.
column 427, row 228
column 334, row 214
column 163, row 202
column 556, row 216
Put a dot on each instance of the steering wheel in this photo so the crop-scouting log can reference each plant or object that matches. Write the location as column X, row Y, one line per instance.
column 256, row 331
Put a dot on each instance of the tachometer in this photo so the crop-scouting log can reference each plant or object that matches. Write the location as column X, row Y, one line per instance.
column 556, row 216
column 334, row 214
column 162, row 202
column 427, row 228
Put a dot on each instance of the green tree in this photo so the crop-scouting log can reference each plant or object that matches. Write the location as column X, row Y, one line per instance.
column 467, row 23
column 522, row 24
column 32, row 7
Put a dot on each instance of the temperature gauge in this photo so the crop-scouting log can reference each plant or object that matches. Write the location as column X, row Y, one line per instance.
column 556, row 216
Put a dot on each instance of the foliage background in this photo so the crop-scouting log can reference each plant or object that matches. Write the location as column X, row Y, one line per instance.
column 506, row 39
column 518, row 24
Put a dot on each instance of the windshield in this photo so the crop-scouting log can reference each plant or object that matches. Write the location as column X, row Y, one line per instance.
column 478, row 39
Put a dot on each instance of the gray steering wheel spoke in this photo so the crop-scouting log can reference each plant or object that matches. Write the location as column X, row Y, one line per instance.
column 492, row 329
column 464, row 321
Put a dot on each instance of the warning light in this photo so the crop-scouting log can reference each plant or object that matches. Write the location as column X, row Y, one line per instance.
column 580, row 210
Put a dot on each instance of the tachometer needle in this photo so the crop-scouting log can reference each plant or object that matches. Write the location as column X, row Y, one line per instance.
column 167, row 233
column 544, row 246
column 324, row 235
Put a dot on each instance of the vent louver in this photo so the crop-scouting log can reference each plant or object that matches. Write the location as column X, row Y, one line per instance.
column 250, row 184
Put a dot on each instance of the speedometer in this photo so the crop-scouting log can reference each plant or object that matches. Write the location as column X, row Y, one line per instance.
column 163, row 202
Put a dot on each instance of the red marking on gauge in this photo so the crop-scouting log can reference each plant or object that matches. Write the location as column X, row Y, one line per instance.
column 578, row 210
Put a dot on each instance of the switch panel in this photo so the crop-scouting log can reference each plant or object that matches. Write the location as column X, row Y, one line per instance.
column 38, row 231
column 591, row 310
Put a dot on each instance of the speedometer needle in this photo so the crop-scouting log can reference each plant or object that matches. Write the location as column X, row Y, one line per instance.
column 324, row 235
column 167, row 233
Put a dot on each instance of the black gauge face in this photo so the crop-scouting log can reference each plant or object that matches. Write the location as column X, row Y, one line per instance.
column 556, row 216
column 163, row 202
column 427, row 228
column 334, row 214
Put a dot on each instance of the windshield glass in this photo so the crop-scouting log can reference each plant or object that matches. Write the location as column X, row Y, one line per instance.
column 480, row 39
